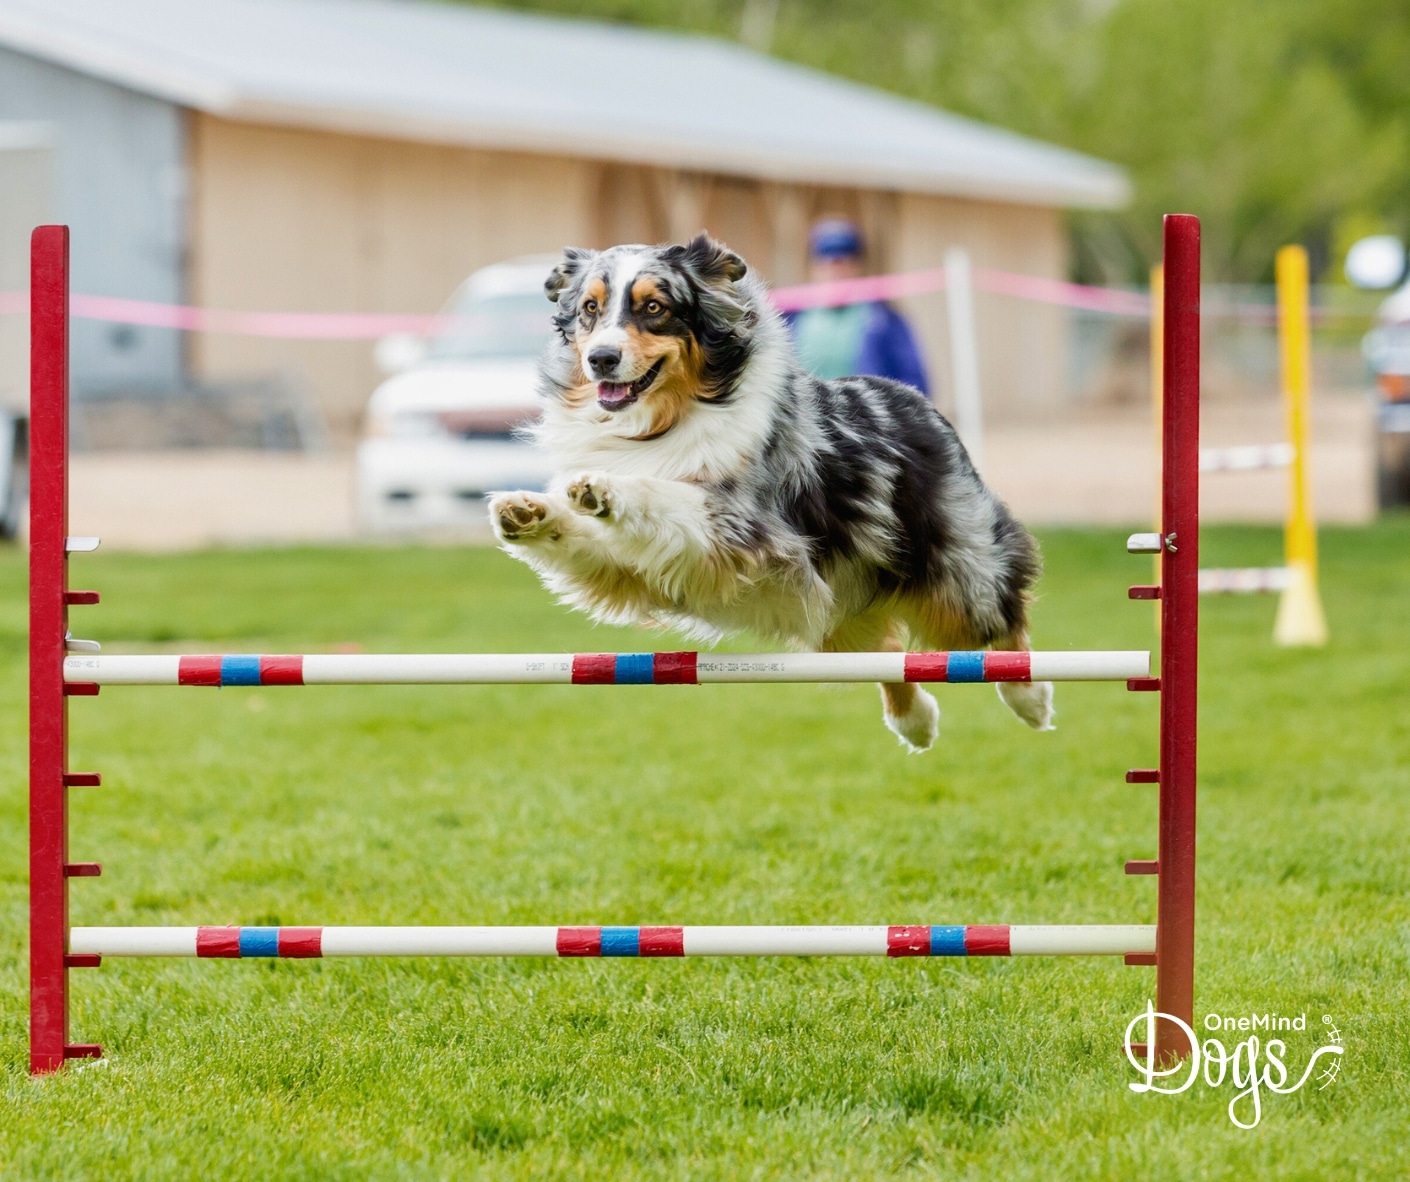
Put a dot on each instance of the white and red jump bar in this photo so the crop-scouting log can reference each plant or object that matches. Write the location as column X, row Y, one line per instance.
column 843, row 940
column 603, row 668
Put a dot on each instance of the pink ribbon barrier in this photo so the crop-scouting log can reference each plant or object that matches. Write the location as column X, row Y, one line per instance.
column 862, row 290
column 326, row 326
column 1109, row 300
column 362, row 326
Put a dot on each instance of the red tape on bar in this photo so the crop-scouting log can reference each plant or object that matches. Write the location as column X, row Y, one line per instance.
column 579, row 941
column 281, row 671
column 301, row 942
column 927, row 666
column 913, row 940
column 198, row 671
column 1008, row 666
column 595, row 669
column 673, row 669
column 986, row 940
column 218, row 941
column 661, row 941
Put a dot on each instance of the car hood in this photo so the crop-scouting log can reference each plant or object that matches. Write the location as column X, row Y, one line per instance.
column 452, row 385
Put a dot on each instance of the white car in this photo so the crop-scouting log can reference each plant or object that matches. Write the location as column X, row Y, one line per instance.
column 443, row 432
column 1378, row 263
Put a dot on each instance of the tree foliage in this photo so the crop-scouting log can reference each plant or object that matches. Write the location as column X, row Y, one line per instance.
column 1275, row 120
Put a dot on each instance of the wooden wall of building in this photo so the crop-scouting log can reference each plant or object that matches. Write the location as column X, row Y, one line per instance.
column 291, row 220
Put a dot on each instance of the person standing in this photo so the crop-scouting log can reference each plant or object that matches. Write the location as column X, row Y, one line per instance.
column 865, row 338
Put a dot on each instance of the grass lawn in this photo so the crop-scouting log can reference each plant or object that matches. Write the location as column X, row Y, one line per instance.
column 722, row 804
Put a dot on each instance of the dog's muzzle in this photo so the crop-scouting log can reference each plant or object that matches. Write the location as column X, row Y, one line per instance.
column 620, row 395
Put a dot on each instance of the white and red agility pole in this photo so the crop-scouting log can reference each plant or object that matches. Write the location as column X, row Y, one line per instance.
column 686, row 668
column 57, row 673
column 833, row 940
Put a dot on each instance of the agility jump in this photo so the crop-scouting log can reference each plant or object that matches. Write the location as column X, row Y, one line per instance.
column 61, row 667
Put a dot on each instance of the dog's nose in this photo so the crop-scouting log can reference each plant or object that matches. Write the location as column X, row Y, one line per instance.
column 604, row 360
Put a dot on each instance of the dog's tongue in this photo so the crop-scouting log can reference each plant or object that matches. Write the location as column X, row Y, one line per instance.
column 614, row 394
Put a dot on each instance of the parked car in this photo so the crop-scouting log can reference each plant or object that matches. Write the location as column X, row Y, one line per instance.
column 446, row 429
column 1380, row 262
column 14, row 474
column 1387, row 351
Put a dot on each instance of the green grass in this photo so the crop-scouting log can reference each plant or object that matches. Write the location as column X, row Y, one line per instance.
column 726, row 804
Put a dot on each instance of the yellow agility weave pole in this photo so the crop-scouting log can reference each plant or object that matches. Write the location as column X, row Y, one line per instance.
column 1300, row 618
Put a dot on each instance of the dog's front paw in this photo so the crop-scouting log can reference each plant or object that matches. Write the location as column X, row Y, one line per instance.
column 591, row 495
column 521, row 517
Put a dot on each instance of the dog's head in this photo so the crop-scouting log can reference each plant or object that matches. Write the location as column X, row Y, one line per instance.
column 654, row 327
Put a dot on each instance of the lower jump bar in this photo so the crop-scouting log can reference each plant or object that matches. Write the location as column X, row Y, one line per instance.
column 868, row 940
column 684, row 668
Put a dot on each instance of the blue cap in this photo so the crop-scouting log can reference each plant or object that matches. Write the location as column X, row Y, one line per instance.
column 835, row 238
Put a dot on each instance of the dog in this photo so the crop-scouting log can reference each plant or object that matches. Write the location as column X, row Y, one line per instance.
column 707, row 483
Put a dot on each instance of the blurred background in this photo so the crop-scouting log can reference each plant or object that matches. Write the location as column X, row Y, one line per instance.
column 271, row 201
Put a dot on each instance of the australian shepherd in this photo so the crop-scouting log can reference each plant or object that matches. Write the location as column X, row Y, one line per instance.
column 707, row 483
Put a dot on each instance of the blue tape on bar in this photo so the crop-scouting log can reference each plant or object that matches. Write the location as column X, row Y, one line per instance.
column 635, row 669
column 259, row 941
column 947, row 939
column 239, row 671
column 965, row 667
column 621, row 941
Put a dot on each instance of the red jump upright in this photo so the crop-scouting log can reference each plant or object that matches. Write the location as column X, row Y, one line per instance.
column 1179, row 634
column 49, row 866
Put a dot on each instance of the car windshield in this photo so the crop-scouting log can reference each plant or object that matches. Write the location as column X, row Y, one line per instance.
column 498, row 327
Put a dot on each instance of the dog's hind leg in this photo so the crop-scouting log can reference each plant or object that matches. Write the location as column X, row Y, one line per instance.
column 937, row 624
column 1032, row 701
column 911, row 714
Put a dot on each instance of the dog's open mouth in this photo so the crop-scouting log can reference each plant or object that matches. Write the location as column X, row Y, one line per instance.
column 620, row 395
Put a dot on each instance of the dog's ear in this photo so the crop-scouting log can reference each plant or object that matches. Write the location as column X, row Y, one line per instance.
column 713, row 261
column 563, row 273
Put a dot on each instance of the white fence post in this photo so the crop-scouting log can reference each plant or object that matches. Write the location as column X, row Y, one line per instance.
column 964, row 354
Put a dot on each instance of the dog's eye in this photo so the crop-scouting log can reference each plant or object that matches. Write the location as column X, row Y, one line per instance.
column 654, row 307
column 590, row 307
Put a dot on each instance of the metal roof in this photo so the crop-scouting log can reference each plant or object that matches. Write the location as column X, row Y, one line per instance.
column 454, row 74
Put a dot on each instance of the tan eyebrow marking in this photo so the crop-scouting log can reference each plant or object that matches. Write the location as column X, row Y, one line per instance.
column 645, row 289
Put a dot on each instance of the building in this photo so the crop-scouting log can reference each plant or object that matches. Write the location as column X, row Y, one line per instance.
column 366, row 155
